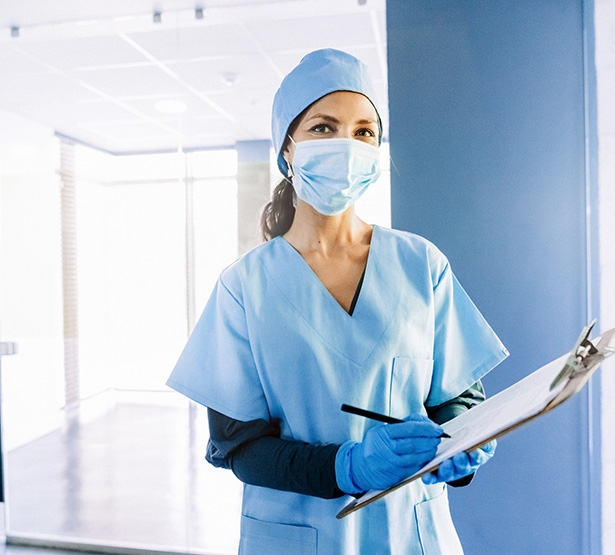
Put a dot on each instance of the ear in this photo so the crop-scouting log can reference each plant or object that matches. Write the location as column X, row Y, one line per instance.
column 288, row 152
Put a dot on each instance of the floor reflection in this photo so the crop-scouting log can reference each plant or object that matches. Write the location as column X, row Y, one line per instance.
column 134, row 475
column 21, row 550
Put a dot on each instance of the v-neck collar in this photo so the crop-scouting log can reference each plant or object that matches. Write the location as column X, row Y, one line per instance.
column 326, row 292
column 353, row 336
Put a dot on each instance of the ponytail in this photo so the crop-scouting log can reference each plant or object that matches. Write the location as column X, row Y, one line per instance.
column 278, row 214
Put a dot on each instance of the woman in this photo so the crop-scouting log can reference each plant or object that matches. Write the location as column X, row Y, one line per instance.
column 331, row 310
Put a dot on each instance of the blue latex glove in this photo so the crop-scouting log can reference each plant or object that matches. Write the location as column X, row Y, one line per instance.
column 461, row 465
column 388, row 454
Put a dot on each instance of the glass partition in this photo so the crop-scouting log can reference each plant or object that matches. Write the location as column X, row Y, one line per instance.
column 125, row 465
column 118, row 210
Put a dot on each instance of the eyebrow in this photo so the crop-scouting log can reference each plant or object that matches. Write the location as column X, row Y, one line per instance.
column 335, row 120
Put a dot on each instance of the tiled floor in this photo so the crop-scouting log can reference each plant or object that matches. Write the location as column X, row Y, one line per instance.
column 19, row 550
column 134, row 477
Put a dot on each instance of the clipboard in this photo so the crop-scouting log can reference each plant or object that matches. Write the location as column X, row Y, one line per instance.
column 515, row 406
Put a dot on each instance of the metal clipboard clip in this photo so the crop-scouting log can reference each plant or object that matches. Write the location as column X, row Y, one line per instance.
column 586, row 354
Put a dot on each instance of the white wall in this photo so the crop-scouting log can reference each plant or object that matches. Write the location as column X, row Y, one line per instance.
column 605, row 69
column 30, row 282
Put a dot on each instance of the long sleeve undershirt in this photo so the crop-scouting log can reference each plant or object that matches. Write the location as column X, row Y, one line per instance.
column 257, row 455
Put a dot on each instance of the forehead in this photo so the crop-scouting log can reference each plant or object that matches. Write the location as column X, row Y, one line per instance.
column 347, row 104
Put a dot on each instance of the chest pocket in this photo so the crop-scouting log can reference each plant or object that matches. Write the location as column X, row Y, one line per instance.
column 410, row 384
column 259, row 537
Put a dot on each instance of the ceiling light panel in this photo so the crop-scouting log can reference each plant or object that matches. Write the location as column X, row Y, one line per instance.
column 39, row 88
column 12, row 61
column 129, row 81
column 83, row 52
column 194, row 42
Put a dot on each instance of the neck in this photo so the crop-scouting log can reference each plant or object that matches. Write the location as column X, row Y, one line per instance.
column 311, row 231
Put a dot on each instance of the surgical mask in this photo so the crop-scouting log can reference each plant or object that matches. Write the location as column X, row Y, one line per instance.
column 332, row 174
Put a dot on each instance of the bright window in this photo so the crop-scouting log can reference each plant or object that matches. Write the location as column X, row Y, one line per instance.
column 134, row 220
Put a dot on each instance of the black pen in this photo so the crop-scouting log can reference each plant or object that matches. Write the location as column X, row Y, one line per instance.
column 376, row 416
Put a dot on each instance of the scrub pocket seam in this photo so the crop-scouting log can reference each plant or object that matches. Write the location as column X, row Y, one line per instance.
column 261, row 536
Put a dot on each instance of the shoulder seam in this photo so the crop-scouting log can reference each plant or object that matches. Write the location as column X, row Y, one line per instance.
column 230, row 292
column 446, row 267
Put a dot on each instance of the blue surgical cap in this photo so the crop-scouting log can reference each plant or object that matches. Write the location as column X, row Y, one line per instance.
column 319, row 73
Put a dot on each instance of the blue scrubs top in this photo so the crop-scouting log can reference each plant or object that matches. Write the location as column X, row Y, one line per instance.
column 272, row 343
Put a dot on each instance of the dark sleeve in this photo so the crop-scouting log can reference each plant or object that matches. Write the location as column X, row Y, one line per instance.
column 258, row 456
column 449, row 410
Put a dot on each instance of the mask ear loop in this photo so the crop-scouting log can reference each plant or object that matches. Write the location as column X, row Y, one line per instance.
column 289, row 180
column 291, row 174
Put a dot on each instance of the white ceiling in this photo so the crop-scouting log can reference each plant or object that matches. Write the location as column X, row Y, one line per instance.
column 94, row 70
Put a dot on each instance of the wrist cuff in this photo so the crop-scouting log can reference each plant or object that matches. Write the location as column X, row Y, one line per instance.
column 343, row 469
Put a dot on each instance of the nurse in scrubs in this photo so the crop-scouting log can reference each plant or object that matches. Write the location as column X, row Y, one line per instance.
column 331, row 310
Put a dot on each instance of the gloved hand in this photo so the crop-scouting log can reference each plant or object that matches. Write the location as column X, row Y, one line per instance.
column 461, row 465
column 388, row 454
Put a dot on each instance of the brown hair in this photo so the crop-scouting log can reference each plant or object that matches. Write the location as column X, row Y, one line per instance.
column 279, row 212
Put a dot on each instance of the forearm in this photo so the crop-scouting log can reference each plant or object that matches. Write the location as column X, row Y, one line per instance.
column 289, row 466
column 258, row 456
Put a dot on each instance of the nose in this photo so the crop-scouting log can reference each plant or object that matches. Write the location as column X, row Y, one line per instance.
column 345, row 132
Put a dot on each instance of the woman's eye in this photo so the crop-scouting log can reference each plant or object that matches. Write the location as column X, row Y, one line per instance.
column 366, row 133
column 321, row 128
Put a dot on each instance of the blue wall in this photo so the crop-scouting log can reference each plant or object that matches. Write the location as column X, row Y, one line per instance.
column 488, row 132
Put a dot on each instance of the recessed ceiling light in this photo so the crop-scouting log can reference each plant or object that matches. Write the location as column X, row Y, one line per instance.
column 229, row 78
column 171, row 106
